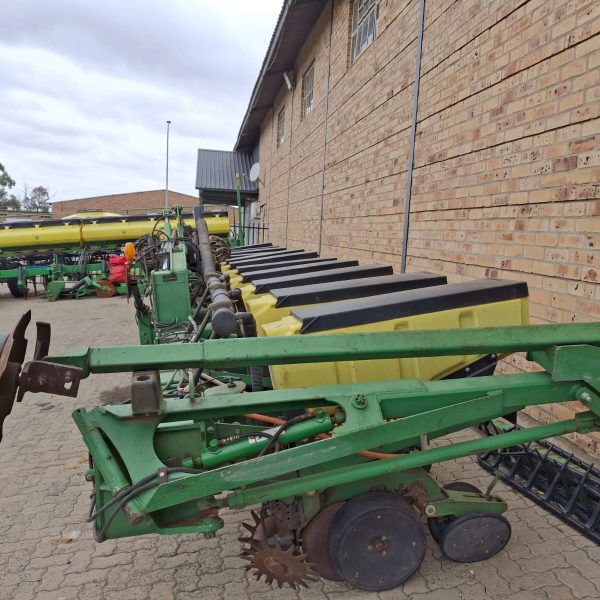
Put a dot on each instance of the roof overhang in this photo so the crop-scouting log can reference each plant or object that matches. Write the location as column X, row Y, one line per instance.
column 294, row 25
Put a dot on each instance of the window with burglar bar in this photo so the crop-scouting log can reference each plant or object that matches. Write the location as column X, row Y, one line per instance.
column 364, row 25
column 281, row 127
column 307, row 91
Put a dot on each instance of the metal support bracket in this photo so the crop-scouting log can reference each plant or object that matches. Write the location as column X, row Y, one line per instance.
column 41, row 376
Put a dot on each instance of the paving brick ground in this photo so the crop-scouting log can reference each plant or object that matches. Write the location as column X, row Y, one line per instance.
column 47, row 551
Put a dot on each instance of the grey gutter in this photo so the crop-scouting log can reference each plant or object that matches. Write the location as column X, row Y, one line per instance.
column 265, row 66
column 296, row 21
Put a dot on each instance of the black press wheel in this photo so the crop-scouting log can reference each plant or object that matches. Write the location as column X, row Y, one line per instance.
column 376, row 541
column 475, row 537
column 438, row 524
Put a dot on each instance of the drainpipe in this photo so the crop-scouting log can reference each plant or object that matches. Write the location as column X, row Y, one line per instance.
column 413, row 132
column 287, row 204
column 325, row 128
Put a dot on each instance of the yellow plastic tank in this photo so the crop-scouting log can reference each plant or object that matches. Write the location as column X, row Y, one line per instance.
column 486, row 303
column 89, row 230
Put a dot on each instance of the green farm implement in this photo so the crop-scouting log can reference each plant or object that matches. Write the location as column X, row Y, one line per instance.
column 320, row 404
column 72, row 274
column 343, row 484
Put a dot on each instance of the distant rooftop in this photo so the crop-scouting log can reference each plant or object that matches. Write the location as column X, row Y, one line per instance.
column 215, row 175
column 162, row 191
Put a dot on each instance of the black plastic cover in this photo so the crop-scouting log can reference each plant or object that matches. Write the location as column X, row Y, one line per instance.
column 333, row 274
column 362, row 311
column 252, row 247
column 293, row 267
column 245, row 252
column 271, row 257
column 356, row 288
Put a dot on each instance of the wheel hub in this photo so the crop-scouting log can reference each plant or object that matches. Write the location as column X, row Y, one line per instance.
column 381, row 545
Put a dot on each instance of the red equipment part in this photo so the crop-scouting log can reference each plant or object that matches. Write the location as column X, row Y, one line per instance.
column 116, row 269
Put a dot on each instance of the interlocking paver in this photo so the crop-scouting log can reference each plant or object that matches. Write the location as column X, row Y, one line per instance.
column 47, row 551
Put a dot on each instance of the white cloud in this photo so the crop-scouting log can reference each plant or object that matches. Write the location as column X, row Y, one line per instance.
column 87, row 87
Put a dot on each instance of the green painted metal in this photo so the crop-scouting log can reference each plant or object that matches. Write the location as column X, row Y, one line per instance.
column 394, row 415
column 58, row 276
column 50, row 270
column 355, row 346
column 584, row 423
column 54, row 290
column 171, row 292
column 326, row 457
column 236, row 450
column 167, row 286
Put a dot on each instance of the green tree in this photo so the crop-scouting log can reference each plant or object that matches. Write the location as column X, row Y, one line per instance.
column 36, row 200
column 6, row 183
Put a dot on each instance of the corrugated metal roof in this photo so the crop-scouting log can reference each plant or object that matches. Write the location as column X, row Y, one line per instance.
column 295, row 23
column 217, row 168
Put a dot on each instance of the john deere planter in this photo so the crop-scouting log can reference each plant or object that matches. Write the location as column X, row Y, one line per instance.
column 69, row 256
column 370, row 373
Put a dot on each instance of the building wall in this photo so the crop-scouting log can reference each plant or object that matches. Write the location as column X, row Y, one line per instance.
column 507, row 154
column 132, row 203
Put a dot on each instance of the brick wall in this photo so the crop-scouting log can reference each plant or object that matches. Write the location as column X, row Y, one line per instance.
column 507, row 154
column 133, row 203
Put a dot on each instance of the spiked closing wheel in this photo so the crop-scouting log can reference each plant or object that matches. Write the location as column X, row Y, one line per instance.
column 107, row 290
column 268, row 558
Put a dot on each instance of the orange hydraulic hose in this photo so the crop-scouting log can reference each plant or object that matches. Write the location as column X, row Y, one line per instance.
column 322, row 436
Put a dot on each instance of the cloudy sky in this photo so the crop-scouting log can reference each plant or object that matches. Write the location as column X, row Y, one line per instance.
column 86, row 88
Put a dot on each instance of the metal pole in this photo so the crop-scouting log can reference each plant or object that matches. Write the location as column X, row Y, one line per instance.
column 238, row 193
column 325, row 130
column 167, row 169
column 413, row 131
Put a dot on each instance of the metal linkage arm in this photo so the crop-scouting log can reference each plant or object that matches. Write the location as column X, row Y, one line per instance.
column 333, row 347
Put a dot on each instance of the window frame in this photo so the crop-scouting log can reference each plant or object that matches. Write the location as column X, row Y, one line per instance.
column 281, row 127
column 363, row 28
column 309, row 76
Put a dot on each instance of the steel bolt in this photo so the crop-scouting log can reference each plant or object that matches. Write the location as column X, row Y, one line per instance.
column 359, row 402
column 585, row 397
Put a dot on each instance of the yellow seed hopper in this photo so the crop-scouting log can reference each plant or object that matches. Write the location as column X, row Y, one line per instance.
column 97, row 230
column 480, row 303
